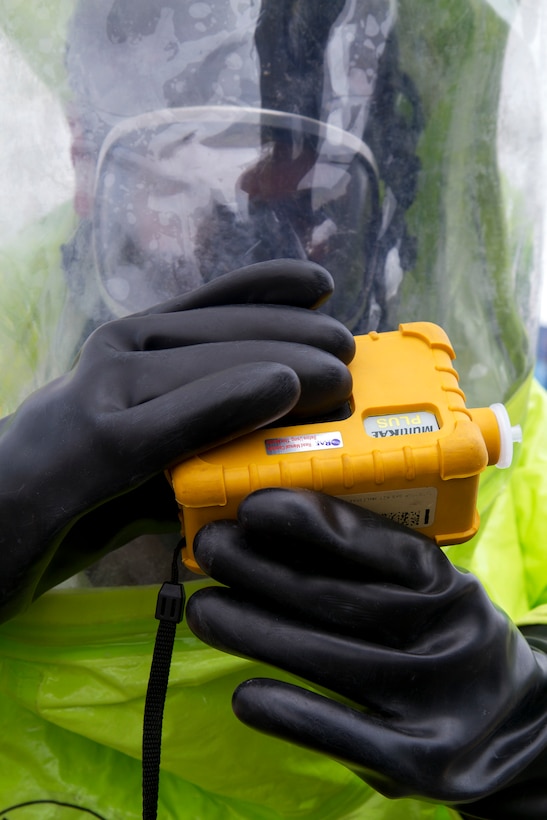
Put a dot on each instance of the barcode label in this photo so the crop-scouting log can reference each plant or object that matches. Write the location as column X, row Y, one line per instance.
column 414, row 508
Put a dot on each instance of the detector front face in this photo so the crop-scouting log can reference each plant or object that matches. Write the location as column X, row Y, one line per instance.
column 410, row 449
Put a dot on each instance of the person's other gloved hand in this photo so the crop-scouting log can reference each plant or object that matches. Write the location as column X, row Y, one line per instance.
column 432, row 692
column 147, row 391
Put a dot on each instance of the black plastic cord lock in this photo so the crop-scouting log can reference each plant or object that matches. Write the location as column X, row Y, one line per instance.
column 170, row 604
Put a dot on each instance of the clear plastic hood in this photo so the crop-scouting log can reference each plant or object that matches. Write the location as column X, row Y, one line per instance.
column 432, row 211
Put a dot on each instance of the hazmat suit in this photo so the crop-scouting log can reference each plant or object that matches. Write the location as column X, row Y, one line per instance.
column 375, row 140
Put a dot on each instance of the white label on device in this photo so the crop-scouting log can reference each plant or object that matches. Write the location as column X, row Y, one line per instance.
column 414, row 508
column 304, row 443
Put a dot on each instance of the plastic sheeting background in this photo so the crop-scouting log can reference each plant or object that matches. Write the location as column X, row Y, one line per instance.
column 38, row 137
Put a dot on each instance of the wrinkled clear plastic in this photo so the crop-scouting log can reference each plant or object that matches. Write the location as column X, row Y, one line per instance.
column 433, row 213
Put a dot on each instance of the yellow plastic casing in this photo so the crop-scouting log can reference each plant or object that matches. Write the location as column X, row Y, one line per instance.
column 410, row 450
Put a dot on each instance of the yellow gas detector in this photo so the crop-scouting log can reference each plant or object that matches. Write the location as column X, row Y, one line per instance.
column 409, row 449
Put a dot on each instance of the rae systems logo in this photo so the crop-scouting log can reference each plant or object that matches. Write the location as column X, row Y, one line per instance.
column 306, row 443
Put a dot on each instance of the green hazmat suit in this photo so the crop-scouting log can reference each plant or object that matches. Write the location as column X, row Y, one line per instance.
column 74, row 667
column 74, row 670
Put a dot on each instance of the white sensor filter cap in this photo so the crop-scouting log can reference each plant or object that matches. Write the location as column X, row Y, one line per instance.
column 509, row 435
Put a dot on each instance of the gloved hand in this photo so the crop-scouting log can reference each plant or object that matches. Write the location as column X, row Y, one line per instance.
column 149, row 390
column 431, row 691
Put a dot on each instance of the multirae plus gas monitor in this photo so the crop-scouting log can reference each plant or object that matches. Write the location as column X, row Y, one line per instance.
column 409, row 449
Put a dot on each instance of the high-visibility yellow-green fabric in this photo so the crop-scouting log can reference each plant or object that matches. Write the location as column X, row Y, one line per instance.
column 74, row 669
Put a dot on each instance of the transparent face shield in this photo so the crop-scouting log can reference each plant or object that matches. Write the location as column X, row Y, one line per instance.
column 409, row 169
column 186, row 195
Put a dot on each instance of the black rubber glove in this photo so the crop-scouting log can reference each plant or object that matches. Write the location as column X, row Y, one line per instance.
column 149, row 390
column 436, row 694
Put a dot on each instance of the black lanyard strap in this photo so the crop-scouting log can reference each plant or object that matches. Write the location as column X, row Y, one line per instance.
column 169, row 612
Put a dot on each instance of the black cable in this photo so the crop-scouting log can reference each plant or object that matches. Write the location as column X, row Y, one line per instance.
column 169, row 612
